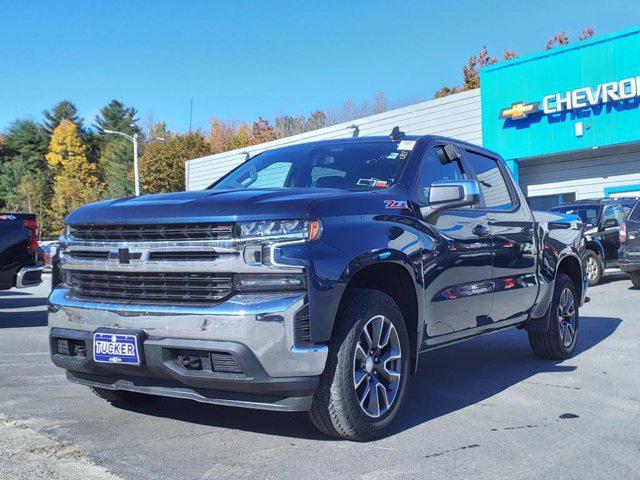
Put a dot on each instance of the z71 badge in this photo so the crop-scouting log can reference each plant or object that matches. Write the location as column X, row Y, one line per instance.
column 395, row 204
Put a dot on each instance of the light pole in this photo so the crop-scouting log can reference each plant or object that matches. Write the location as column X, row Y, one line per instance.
column 133, row 138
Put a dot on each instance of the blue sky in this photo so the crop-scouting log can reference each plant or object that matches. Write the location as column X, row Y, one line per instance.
column 244, row 59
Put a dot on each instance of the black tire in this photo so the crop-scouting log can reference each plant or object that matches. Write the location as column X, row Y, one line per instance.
column 635, row 279
column 121, row 397
column 594, row 267
column 550, row 344
column 336, row 410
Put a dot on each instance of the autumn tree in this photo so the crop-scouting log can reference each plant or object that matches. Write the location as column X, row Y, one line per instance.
column 75, row 181
column 220, row 133
column 509, row 55
column 587, row 33
column 558, row 40
column 240, row 138
column 262, row 131
column 471, row 72
column 162, row 163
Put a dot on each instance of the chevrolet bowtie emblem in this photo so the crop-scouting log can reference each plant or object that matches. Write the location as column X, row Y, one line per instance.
column 518, row 111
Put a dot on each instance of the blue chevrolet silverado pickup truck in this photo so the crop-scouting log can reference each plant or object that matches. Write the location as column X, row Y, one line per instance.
column 311, row 278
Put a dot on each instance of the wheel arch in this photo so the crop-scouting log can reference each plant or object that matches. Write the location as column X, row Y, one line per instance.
column 395, row 280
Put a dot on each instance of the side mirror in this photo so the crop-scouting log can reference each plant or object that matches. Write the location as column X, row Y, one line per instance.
column 610, row 222
column 444, row 195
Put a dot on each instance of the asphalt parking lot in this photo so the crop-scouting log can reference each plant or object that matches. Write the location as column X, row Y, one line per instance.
column 484, row 409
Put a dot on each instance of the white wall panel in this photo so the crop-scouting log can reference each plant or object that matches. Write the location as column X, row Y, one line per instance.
column 587, row 177
column 456, row 116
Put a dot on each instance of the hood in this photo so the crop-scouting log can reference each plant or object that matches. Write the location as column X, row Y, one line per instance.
column 212, row 205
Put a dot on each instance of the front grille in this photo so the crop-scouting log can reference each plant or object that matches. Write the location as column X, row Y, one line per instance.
column 152, row 232
column 166, row 288
column 182, row 256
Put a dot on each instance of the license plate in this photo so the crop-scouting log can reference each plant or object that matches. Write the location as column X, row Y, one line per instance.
column 116, row 348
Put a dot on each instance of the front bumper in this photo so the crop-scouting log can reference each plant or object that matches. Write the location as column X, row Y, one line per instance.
column 257, row 330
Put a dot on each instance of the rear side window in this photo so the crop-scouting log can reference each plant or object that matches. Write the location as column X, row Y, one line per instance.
column 613, row 212
column 493, row 185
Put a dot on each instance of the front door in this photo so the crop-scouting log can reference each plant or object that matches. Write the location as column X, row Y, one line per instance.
column 457, row 258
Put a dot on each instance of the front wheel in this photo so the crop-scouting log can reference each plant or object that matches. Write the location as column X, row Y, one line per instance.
column 560, row 338
column 593, row 267
column 365, row 379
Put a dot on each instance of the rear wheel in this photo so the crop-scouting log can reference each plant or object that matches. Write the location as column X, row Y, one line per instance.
column 559, row 340
column 635, row 279
column 364, row 383
column 593, row 267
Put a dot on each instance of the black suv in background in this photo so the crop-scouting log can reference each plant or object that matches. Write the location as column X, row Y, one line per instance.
column 629, row 251
column 602, row 219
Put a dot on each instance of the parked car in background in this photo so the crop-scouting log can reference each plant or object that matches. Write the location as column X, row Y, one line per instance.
column 46, row 252
column 311, row 278
column 19, row 266
column 602, row 219
column 629, row 252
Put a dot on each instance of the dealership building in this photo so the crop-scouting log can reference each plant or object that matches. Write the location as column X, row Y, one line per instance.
column 567, row 121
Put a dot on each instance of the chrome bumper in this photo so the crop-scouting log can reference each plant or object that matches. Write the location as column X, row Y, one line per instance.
column 264, row 323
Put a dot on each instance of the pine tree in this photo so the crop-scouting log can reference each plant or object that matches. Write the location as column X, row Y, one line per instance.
column 115, row 116
column 75, row 180
column 24, row 150
column 116, row 168
column 64, row 110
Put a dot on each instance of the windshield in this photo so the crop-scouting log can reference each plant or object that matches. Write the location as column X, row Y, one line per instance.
column 587, row 213
column 363, row 165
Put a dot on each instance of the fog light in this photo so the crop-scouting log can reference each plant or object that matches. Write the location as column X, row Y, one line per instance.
column 270, row 282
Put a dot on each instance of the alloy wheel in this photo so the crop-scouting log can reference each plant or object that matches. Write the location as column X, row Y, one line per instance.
column 592, row 268
column 567, row 317
column 377, row 366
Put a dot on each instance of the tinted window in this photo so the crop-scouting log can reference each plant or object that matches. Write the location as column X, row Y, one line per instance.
column 612, row 212
column 587, row 213
column 492, row 183
column 432, row 170
column 635, row 213
column 358, row 165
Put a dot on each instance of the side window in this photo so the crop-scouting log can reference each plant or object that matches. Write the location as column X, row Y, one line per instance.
column 432, row 170
column 272, row 176
column 493, row 185
column 612, row 212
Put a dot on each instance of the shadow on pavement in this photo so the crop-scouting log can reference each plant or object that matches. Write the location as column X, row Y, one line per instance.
column 31, row 318
column 34, row 317
column 449, row 379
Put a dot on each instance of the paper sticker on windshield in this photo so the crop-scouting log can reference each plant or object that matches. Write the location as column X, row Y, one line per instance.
column 373, row 182
column 393, row 155
column 396, row 204
column 406, row 145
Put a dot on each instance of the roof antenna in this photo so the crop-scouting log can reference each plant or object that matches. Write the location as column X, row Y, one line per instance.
column 356, row 130
column 396, row 134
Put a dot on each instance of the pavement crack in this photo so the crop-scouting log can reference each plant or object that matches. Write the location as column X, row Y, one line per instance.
column 452, row 450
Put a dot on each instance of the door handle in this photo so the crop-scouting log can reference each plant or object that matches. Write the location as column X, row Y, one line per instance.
column 480, row 231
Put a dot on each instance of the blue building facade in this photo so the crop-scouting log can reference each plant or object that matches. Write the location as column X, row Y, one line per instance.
column 567, row 120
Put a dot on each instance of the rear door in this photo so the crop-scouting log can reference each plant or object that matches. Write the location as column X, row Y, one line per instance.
column 512, row 231
column 632, row 245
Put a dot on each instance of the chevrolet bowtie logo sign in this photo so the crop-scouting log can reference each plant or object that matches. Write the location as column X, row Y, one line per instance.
column 520, row 110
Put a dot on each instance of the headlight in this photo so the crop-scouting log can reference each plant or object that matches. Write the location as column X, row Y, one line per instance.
column 296, row 228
